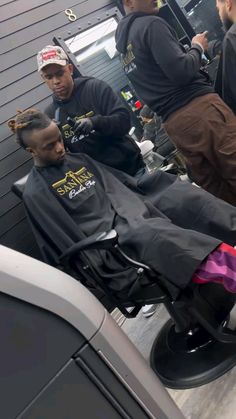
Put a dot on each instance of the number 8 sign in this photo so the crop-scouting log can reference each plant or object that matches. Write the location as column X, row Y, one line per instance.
column 71, row 16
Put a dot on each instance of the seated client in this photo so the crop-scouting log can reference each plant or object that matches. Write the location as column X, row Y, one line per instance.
column 70, row 196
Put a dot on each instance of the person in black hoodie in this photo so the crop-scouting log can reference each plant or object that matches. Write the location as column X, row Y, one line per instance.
column 170, row 81
column 226, row 75
column 90, row 115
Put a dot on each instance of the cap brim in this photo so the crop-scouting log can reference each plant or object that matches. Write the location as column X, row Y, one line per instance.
column 58, row 62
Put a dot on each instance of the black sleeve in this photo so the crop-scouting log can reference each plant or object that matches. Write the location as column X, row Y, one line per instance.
column 113, row 118
column 178, row 65
column 229, row 71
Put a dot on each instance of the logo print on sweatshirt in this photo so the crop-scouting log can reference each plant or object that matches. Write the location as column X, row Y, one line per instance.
column 68, row 133
column 128, row 60
column 74, row 183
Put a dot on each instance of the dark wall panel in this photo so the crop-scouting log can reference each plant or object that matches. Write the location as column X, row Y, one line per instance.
column 35, row 16
column 10, row 162
column 7, row 220
column 20, row 7
column 5, row 133
column 39, row 93
column 7, row 147
column 14, row 174
column 17, row 72
column 8, row 202
column 102, row 67
column 20, row 238
column 56, row 23
column 26, row 27
column 19, row 87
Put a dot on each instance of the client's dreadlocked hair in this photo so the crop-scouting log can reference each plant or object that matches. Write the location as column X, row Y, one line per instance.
column 25, row 122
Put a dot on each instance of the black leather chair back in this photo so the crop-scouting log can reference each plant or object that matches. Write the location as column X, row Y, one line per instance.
column 19, row 186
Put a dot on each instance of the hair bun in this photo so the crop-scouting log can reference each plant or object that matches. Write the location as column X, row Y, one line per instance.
column 12, row 125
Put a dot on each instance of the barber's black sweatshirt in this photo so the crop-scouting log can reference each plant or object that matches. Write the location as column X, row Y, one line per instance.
column 109, row 143
column 225, row 83
column 164, row 75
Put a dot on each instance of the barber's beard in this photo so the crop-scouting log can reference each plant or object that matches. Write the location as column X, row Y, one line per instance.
column 227, row 23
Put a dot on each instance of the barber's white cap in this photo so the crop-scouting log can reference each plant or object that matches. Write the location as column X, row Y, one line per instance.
column 51, row 54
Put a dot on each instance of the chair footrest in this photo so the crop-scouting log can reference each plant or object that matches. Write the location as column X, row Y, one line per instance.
column 184, row 361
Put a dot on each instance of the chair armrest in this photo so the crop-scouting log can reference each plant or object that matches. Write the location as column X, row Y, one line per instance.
column 105, row 240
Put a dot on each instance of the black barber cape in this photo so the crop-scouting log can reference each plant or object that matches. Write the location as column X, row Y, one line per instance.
column 70, row 202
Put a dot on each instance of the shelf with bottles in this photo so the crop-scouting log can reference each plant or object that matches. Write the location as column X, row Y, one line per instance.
column 135, row 106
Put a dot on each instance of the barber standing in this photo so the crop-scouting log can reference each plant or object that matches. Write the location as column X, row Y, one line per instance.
column 91, row 117
column 226, row 75
column 170, row 81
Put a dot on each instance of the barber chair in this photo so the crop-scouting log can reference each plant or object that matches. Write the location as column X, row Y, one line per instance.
column 196, row 345
column 62, row 356
column 19, row 186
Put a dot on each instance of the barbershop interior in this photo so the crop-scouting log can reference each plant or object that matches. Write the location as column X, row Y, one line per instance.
column 117, row 209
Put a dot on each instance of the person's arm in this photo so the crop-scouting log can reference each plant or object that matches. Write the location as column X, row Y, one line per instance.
column 178, row 65
column 113, row 117
column 229, row 72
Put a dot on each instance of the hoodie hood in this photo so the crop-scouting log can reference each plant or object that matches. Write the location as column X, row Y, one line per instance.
column 122, row 32
column 78, row 83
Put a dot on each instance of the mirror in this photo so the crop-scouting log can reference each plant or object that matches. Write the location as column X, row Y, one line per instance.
column 99, row 38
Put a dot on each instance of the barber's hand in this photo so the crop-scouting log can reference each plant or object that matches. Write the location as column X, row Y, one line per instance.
column 201, row 39
column 83, row 126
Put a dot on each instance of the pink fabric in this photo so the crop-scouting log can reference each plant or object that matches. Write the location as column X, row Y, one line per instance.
column 219, row 267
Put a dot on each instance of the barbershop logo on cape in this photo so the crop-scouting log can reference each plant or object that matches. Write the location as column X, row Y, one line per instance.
column 74, row 183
